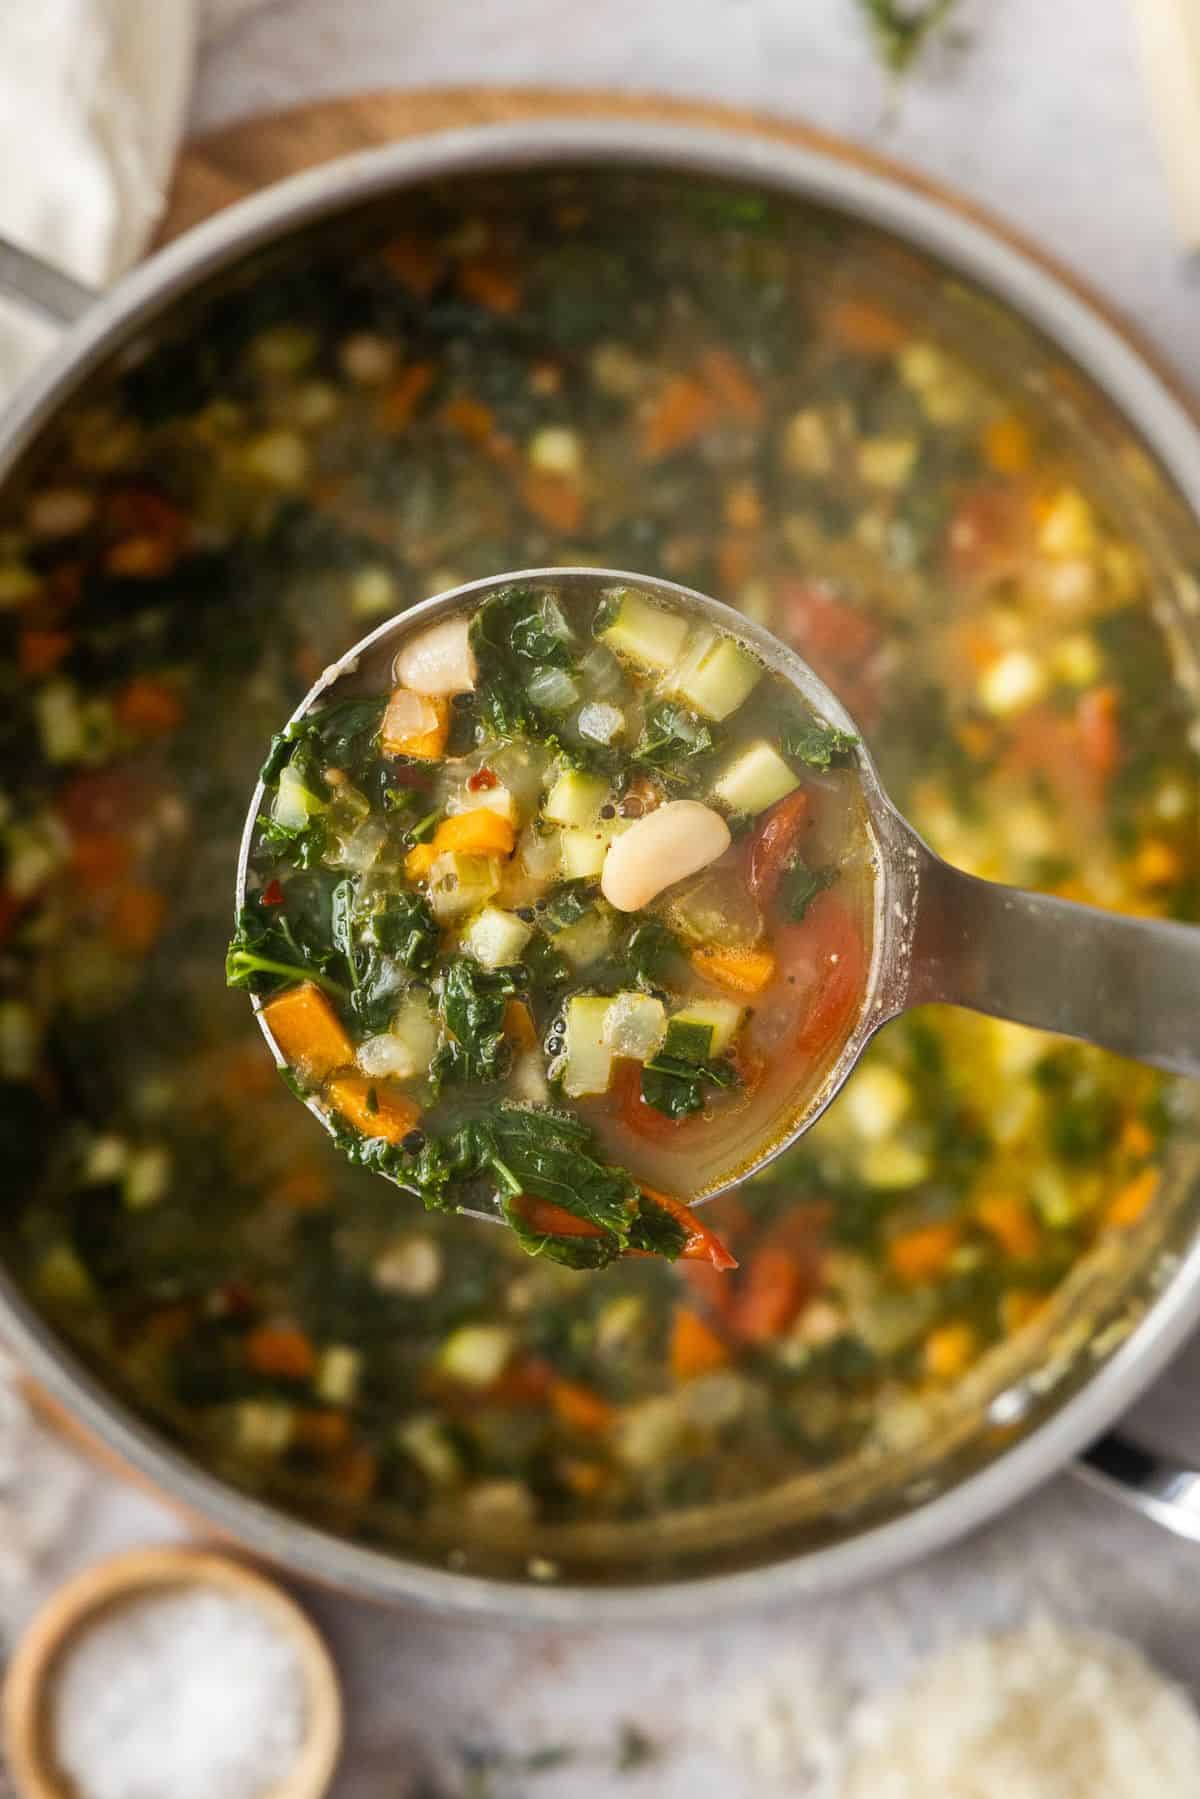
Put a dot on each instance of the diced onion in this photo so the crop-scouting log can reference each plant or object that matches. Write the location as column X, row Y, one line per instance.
column 553, row 689
column 600, row 723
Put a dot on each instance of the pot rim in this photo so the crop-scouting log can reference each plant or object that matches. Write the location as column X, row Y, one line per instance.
column 878, row 196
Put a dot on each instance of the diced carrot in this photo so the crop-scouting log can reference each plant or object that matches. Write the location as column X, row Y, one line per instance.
column 736, row 389
column 415, row 262
column 492, row 282
column 99, row 859
column 1132, row 1201
column 149, row 707
column 142, row 558
column 401, row 397
column 682, row 411
column 949, row 1351
column 376, row 1108
column 743, row 507
column 1018, row 1307
column 1007, row 445
column 354, row 1474
column 865, row 327
column 735, row 560
column 419, row 860
column 309, row 1033
column 282, row 1349
column 554, row 500
column 519, row 1026
column 1136, row 1139
column 922, row 1254
column 427, row 743
column 303, row 1190
column 695, row 1347
column 1098, row 729
column 585, row 1479
column 742, row 971
column 773, row 1290
column 40, row 652
column 1009, row 1219
column 1157, row 864
column 324, row 1433
column 470, row 418
column 137, row 918
column 479, row 832
column 580, row 1408
column 703, row 1244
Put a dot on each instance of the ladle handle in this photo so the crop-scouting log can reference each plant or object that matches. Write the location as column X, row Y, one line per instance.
column 1131, row 985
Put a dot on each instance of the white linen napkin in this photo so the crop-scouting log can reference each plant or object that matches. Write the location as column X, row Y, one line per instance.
column 1168, row 34
column 93, row 96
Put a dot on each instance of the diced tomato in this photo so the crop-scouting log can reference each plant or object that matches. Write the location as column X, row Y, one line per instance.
column 1097, row 723
column 483, row 780
column 774, row 844
column 703, row 1244
column 828, row 631
column 838, row 639
column 988, row 535
column 273, row 894
column 643, row 1120
column 543, row 1217
column 822, row 972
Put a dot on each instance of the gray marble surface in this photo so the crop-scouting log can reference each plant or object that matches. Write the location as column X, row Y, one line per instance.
column 1042, row 117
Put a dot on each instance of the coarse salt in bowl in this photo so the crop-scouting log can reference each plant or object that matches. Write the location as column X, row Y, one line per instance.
column 172, row 1674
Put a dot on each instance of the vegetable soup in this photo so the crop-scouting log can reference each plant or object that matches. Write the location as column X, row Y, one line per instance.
column 746, row 395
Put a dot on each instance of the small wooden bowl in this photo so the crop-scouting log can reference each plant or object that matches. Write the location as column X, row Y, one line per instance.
column 122, row 1577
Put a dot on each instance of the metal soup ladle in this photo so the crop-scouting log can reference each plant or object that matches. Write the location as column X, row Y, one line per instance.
column 1130, row 985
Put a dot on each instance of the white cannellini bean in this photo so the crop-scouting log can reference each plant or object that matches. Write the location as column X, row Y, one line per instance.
column 670, row 843
column 439, row 661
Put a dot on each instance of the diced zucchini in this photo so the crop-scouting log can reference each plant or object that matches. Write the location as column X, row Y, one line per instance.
column 715, row 676
column 458, row 884
column 263, row 1427
column 62, row 1278
column 147, row 1177
column 586, row 941
column 647, row 634
column 721, row 1017
column 755, row 779
column 588, row 1059
column 689, row 1041
column 424, row 1438
column 583, row 853
column 496, row 938
column 575, row 799
column 294, row 803
column 338, row 1369
column 476, row 1354
column 635, row 1025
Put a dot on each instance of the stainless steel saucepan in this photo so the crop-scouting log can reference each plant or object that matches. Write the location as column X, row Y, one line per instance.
column 1086, row 1378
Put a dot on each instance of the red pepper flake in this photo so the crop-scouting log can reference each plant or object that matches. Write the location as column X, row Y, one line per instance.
column 273, row 894
column 483, row 780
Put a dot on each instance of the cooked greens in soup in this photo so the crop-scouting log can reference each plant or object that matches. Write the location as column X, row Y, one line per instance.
column 565, row 911
column 745, row 395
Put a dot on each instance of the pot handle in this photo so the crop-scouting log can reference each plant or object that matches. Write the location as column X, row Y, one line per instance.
column 53, row 297
column 1163, row 1491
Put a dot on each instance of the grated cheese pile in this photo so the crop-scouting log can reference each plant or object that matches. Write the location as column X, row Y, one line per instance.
column 1038, row 1713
